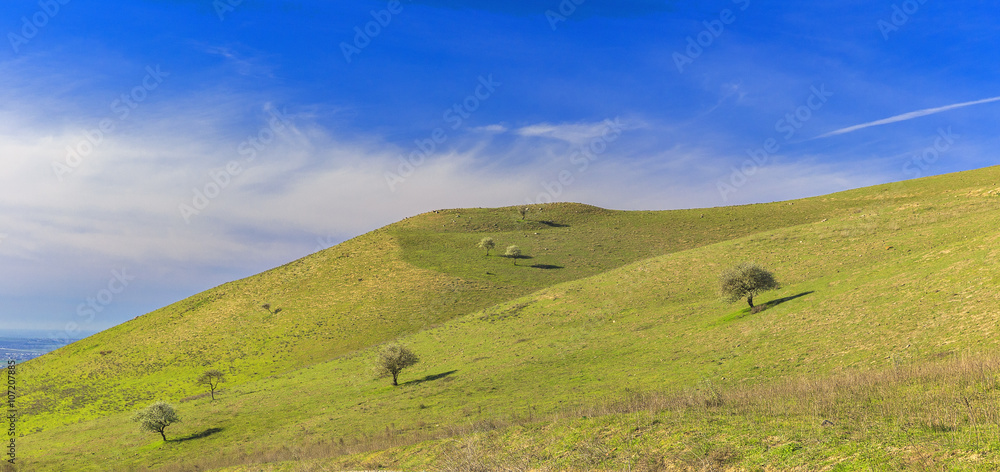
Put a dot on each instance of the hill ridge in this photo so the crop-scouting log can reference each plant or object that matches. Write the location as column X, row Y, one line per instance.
column 926, row 205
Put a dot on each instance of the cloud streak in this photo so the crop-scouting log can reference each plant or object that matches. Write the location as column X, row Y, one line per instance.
column 907, row 116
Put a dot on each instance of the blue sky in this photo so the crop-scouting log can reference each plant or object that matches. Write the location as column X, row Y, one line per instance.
column 155, row 149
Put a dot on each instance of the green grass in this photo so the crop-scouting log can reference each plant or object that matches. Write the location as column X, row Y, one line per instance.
column 903, row 274
column 936, row 416
column 397, row 280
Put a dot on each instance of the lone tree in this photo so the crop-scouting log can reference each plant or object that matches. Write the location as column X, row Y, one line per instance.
column 211, row 379
column 487, row 244
column 156, row 418
column 392, row 359
column 267, row 306
column 745, row 281
column 513, row 252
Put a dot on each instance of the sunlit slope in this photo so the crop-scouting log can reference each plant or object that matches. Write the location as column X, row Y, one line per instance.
column 908, row 275
column 399, row 279
column 332, row 303
column 396, row 280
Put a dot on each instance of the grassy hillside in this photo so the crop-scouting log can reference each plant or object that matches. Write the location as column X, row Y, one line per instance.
column 396, row 280
column 929, row 416
column 903, row 274
column 332, row 303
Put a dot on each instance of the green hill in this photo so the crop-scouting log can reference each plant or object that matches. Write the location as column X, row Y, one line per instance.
column 610, row 303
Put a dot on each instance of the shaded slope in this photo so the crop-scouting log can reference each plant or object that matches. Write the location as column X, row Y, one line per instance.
column 578, row 240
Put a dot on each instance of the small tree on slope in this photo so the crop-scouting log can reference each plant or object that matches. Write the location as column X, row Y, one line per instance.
column 487, row 244
column 211, row 379
column 513, row 252
column 392, row 359
column 156, row 418
column 745, row 281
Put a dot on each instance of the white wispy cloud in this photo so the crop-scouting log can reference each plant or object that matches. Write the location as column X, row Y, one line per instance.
column 907, row 116
column 573, row 133
column 494, row 128
column 247, row 65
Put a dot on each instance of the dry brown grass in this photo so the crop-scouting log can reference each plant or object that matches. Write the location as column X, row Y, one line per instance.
column 483, row 453
column 305, row 456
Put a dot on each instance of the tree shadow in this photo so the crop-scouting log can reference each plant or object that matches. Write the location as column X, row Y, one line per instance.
column 204, row 434
column 546, row 266
column 779, row 301
column 430, row 378
column 553, row 224
column 758, row 308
